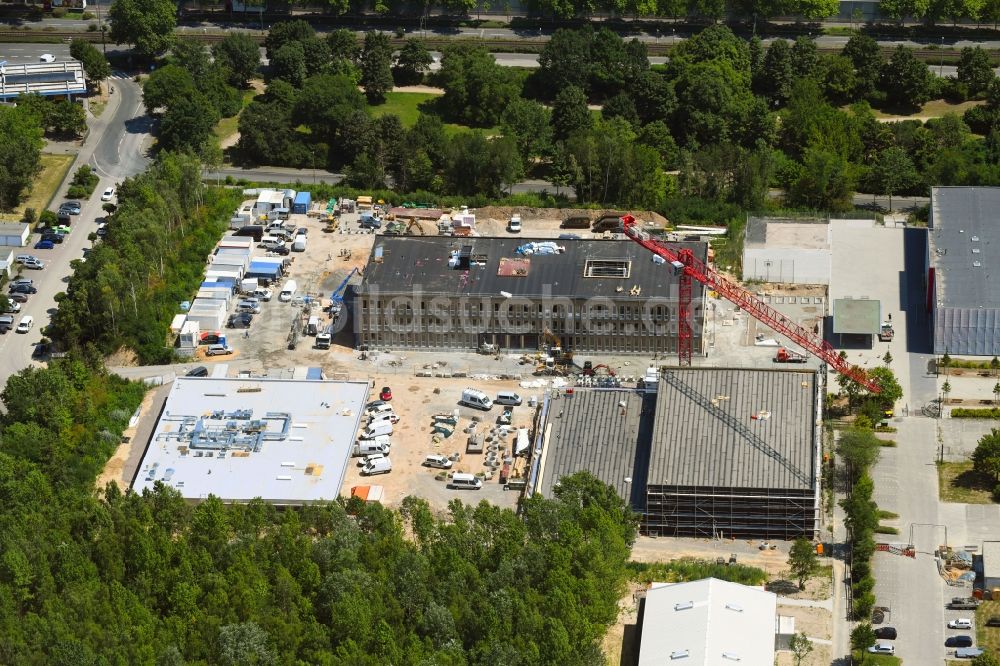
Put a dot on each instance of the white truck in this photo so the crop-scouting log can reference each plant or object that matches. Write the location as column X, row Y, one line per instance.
column 312, row 326
column 299, row 244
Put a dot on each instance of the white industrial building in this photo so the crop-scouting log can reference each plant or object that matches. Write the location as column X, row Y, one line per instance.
column 286, row 441
column 6, row 261
column 210, row 313
column 787, row 251
column 51, row 79
column 991, row 567
column 708, row 622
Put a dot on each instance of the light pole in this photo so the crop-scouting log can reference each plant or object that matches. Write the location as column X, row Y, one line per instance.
column 100, row 26
column 941, row 66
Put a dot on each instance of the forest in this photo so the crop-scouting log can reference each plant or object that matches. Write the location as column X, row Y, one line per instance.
column 112, row 578
column 730, row 117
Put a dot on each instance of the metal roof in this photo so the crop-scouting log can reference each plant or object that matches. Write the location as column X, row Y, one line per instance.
column 857, row 316
column 592, row 430
column 12, row 228
column 708, row 622
column 309, row 428
column 794, row 233
column 65, row 77
column 735, row 428
column 408, row 263
column 964, row 251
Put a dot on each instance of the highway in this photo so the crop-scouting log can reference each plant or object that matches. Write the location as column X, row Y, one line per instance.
column 115, row 147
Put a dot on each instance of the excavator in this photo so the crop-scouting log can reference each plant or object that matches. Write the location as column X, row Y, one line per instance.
column 556, row 361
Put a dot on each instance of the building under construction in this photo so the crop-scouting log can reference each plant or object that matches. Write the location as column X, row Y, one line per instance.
column 522, row 294
column 711, row 452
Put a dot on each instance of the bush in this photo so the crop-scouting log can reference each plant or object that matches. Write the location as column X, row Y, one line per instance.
column 78, row 192
column 863, row 605
column 886, row 529
column 91, row 27
column 965, row 413
column 996, row 493
column 59, row 12
column 47, row 218
column 83, row 183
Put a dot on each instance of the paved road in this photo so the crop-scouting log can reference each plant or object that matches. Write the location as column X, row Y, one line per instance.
column 115, row 148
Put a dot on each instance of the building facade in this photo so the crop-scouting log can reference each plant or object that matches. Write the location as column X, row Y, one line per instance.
column 520, row 294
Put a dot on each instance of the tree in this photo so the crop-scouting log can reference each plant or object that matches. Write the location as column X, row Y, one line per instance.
column 986, row 659
column 654, row 97
column 862, row 636
column 893, row 172
column 527, row 122
column 657, row 136
column 325, row 104
column 826, row 182
column 244, row 643
column 860, row 449
column 802, row 561
column 889, row 389
column 413, row 61
column 148, row 25
column 188, row 124
column 67, row 118
column 800, row 646
column 975, row 70
column 20, row 153
column 343, row 44
column 376, row 66
column 287, row 32
column 994, row 365
column 621, row 106
column 289, row 63
column 804, row 56
column 866, row 55
column 996, row 393
column 565, row 61
column 887, row 358
column 476, row 88
column 569, row 112
column 986, row 457
column 906, row 81
column 777, row 74
column 95, row 64
column 478, row 165
column 165, row 86
column 239, row 55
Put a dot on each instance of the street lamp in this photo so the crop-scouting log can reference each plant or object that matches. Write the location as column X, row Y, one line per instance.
column 941, row 67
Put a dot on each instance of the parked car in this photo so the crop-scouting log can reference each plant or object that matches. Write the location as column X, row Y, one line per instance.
column 882, row 648
column 46, row 57
column 887, row 633
column 34, row 264
column 241, row 320
column 102, row 229
column 23, row 288
column 994, row 621
column 13, row 307
column 960, row 623
column 17, row 297
column 438, row 461
column 218, row 350
column 72, row 207
column 576, row 222
column 250, row 305
column 21, row 258
column 209, row 339
column 968, row 653
column 301, row 231
column 959, row 641
column 514, row 226
column 27, row 321
column 386, row 394
column 200, row 371
column 6, row 323
column 283, row 250
column 568, row 237
column 108, row 195
column 370, row 223
column 53, row 238
column 44, row 245
column 21, row 281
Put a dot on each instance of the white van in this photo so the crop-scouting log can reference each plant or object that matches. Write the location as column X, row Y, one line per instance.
column 377, row 466
column 476, row 399
column 379, row 408
column 27, row 321
column 383, row 417
column 465, row 481
column 508, row 398
column 288, row 291
column 375, row 429
column 367, row 447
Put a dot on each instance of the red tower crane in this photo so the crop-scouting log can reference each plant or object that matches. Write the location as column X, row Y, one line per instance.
column 689, row 266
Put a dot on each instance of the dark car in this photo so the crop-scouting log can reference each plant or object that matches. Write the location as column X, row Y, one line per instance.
column 209, row 339
column 72, row 207
column 241, row 320
column 6, row 323
column 44, row 245
column 23, row 289
column 53, row 237
column 608, row 223
column 200, row 371
column 568, row 237
column 18, row 296
column 994, row 621
column 283, row 250
column 959, row 641
column 576, row 222
column 887, row 633
column 254, row 231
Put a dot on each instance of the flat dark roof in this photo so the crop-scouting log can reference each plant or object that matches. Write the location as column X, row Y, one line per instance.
column 964, row 220
column 405, row 263
column 592, row 430
column 735, row 428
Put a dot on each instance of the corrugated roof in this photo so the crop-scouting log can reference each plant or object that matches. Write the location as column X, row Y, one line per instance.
column 412, row 262
column 591, row 430
column 708, row 622
column 857, row 316
column 706, row 433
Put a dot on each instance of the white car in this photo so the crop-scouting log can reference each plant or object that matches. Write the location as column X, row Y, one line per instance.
column 882, row 648
column 13, row 306
column 108, row 195
column 25, row 324
column 34, row 264
column 218, row 350
column 960, row 623
column 441, row 462
column 47, row 57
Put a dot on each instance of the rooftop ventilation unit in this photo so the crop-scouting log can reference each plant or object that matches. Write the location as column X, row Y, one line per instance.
column 680, row 654
column 684, row 605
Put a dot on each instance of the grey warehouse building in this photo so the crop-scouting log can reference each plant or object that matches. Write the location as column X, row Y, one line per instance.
column 712, row 452
column 962, row 253
column 520, row 293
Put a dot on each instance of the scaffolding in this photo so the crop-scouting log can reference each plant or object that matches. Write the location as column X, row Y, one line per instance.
column 741, row 513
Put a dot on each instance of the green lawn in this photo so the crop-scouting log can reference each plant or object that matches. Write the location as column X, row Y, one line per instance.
column 227, row 126
column 406, row 105
column 861, row 657
column 988, row 638
column 53, row 170
column 958, row 482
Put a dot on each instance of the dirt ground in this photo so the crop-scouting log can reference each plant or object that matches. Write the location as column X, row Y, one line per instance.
column 117, row 468
column 820, row 656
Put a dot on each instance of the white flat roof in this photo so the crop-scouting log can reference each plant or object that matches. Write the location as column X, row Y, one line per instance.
column 291, row 444
column 708, row 622
column 991, row 559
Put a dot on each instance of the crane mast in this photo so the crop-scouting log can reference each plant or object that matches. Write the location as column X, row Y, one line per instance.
column 690, row 267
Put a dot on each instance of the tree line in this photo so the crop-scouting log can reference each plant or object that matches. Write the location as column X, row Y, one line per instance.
column 152, row 258
column 113, row 577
